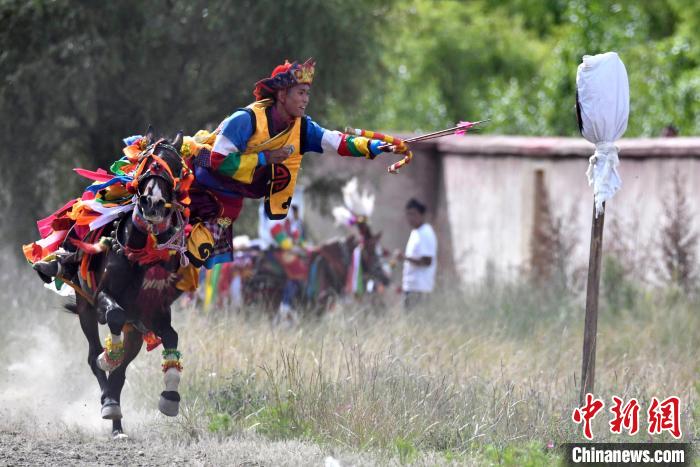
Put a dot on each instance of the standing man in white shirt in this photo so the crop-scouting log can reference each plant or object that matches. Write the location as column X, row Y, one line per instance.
column 420, row 256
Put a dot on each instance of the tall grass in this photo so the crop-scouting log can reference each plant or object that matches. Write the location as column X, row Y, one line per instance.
column 471, row 374
column 487, row 374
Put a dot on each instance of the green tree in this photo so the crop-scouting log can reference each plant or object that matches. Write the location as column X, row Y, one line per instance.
column 515, row 62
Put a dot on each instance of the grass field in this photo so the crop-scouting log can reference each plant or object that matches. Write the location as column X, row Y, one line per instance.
column 487, row 375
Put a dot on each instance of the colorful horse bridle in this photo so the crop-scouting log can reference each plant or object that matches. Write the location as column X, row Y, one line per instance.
column 400, row 147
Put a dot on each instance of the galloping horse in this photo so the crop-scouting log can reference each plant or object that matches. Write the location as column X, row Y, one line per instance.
column 330, row 266
column 334, row 272
column 337, row 268
column 134, row 274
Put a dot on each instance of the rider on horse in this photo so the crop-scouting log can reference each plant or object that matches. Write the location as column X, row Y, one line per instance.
column 257, row 153
column 254, row 153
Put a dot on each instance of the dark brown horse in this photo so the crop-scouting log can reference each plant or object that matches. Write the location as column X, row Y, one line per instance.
column 333, row 261
column 328, row 267
column 133, row 294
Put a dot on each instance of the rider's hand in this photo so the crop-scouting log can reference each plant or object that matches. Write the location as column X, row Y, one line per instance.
column 387, row 147
column 277, row 156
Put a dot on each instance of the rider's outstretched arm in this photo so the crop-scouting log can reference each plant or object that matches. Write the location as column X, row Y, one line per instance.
column 322, row 140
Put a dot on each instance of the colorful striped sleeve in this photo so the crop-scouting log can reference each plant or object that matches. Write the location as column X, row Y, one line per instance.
column 319, row 139
column 228, row 156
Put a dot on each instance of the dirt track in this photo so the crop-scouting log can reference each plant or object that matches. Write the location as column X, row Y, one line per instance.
column 19, row 449
column 50, row 412
column 76, row 448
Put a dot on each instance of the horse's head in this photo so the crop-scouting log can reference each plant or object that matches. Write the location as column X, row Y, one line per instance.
column 373, row 255
column 158, row 177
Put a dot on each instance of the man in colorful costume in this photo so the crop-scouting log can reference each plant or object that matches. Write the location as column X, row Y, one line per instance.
column 257, row 152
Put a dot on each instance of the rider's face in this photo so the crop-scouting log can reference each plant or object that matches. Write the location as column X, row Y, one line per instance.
column 295, row 100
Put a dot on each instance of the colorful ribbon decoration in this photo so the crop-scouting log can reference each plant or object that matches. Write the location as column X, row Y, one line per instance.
column 400, row 146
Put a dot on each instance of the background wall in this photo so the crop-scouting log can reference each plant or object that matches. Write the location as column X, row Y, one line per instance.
column 481, row 194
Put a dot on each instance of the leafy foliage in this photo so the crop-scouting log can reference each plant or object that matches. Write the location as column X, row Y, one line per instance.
column 515, row 62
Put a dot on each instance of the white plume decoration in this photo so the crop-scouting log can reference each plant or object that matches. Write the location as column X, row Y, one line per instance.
column 343, row 216
column 359, row 203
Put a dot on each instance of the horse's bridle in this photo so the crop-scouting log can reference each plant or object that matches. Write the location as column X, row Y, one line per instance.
column 152, row 165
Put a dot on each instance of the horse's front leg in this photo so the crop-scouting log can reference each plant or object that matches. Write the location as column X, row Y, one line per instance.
column 118, row 274
column 111, row 404
column 114, row 351
column 169, row 403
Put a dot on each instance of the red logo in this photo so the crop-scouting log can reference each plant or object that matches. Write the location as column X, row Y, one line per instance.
column 280, row 178
column 626, row 417
column 665, row 416
column 661, row 416
column 586, row 413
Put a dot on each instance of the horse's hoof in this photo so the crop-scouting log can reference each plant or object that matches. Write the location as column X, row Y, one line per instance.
column 169, row 403
column 118, row 434
column 111, row 410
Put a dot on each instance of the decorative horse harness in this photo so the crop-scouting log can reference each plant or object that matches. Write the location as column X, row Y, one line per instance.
column 167, row 238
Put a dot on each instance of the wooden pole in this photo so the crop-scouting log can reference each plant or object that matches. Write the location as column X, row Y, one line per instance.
column 591, row 322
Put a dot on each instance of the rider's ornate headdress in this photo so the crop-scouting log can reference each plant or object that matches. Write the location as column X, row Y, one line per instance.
column 285, row 76
column 358, row 206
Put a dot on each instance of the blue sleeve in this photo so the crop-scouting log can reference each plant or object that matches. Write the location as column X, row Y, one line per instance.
column 314, row 135
column 312, row 141
column 374, row 146
column 238, row 128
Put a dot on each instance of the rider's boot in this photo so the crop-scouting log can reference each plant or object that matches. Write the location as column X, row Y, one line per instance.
column 169, row 403
column 47, row 269
column 65, row 265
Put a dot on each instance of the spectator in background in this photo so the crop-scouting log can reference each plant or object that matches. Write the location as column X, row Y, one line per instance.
column 420, row 256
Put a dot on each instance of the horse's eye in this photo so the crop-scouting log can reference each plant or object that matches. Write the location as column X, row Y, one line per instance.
column 143, row 201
